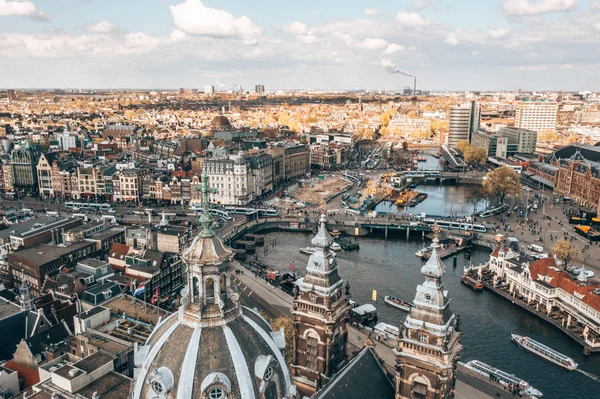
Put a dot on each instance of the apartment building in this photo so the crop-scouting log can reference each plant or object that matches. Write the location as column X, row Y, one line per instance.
column 230, row 180
column 536, row 115
column 524, row 139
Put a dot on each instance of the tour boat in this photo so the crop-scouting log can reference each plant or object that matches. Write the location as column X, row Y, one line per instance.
column 398, row 303
column 471, row 283
column 308, row 250
column 503, row 377
column 544, row 351
column 336, row 247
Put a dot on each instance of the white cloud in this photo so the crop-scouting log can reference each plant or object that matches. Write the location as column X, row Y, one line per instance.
column 531, row 68
column 102, row 26
column 530, row 7
column 498, row 33
column 372, row 44
column 385, row 63
column 195, row 18
column 177, row 35
column 451, row 41
column 306, row 39
column 596, row 5
column 21, row 9
column 296, row 28
column 411, row 19
column 393, row 48
column 475, row 52
column 371, row 12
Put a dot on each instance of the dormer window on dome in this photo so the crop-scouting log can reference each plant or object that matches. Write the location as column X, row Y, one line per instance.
column 161, row 382
column 264, row 369
column 216, row 386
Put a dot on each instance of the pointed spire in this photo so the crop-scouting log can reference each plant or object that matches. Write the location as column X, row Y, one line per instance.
column 434, row 268
column 323, row 239
column 205, row 219
column 163, row 221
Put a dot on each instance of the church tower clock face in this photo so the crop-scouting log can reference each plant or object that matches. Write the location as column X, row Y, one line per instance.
column 428, row 297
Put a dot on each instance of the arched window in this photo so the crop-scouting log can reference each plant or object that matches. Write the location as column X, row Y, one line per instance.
column 216, row 393
column 210, row 290
column 312, row 350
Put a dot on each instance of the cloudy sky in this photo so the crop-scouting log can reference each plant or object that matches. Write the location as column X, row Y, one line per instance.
column 324, row 44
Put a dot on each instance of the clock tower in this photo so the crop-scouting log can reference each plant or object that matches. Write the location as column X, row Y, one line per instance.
column 429, row 346
column 320, row 317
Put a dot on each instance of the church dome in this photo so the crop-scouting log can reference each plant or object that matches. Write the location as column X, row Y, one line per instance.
column 220, row 122
column 212, row 347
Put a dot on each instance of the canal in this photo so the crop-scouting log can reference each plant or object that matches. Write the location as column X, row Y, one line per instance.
column 390, row 267
column 442, row 199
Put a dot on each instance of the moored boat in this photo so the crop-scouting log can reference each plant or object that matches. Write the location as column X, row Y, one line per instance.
column 398, row 303
column 544, row 351
column 424, row 253
column 336, row 247
column 502, row 377
column 471, row 282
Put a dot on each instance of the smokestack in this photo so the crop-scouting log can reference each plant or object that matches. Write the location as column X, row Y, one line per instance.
column 415, row 88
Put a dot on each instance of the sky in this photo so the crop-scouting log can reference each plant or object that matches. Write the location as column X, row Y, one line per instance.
column 306, row 44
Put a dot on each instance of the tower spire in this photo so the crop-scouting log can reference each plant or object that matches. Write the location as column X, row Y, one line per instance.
column 205, row 219
column 429, row 346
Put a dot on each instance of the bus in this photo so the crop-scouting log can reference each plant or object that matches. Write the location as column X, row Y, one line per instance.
column 52, row 214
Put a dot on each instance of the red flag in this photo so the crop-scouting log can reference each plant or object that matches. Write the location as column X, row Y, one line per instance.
column 292, row 265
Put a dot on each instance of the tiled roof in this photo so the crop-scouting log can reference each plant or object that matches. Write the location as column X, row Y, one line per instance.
column 560, row 279
column 119, row 251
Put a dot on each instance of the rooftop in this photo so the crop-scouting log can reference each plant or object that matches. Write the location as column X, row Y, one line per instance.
column 43, row 253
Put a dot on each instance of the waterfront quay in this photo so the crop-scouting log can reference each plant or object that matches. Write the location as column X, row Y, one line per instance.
column 559, row 319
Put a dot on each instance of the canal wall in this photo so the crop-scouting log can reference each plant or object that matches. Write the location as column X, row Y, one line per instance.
column 587, row 348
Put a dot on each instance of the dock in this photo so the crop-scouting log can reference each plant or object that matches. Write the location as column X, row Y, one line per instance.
column 572, row 330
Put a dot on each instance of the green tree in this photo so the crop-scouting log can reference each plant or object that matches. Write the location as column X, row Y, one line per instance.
column 567, row 253
column 288, row 331
column 463, row 146
column 502, row 182
column 475, row 155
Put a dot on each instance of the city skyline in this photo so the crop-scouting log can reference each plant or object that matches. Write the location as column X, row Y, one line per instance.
column 461, row 45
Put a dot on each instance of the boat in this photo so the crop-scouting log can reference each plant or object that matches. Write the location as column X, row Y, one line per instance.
column 471, row 282
column 335, row 246
column 436, row 155
column 418, row 199
column 308, row 250
column 544, row 351
column 348, row 245
column 424, row 253
column 421, row 159
column 397, row 303
column 503, row 378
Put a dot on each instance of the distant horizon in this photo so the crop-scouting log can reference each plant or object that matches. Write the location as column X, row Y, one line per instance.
column 534, row 45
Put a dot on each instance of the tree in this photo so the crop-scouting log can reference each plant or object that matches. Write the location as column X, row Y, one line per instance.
column 288, row 331
column 463, row 146
column 502, row 182
column 404, row 146
column 476, row 155
column 475, row 195
column 567, row 253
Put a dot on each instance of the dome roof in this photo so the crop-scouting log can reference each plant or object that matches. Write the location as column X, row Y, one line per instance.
column 239, row 359
column 220, row 121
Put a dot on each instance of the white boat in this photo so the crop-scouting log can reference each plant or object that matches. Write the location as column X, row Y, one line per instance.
column 308, row 250
column 397, row 303
column 544, row 351
column 336, row 247
column 503, row 377
column 424, row 253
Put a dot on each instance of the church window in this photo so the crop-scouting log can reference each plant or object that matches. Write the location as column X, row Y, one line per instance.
column 423, row 338
column 313, row 299
column 419, row 391
column 269, row 373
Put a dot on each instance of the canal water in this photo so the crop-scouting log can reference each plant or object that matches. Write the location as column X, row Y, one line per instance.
column 442, row 199
column 487, row 320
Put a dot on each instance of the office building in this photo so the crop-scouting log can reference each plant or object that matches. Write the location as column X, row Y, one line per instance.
column 464, row 121
column 538, row 116
column 259, row 89
column 24, row 161
column 524, row 139
column 11, row 95
column 209, row 89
